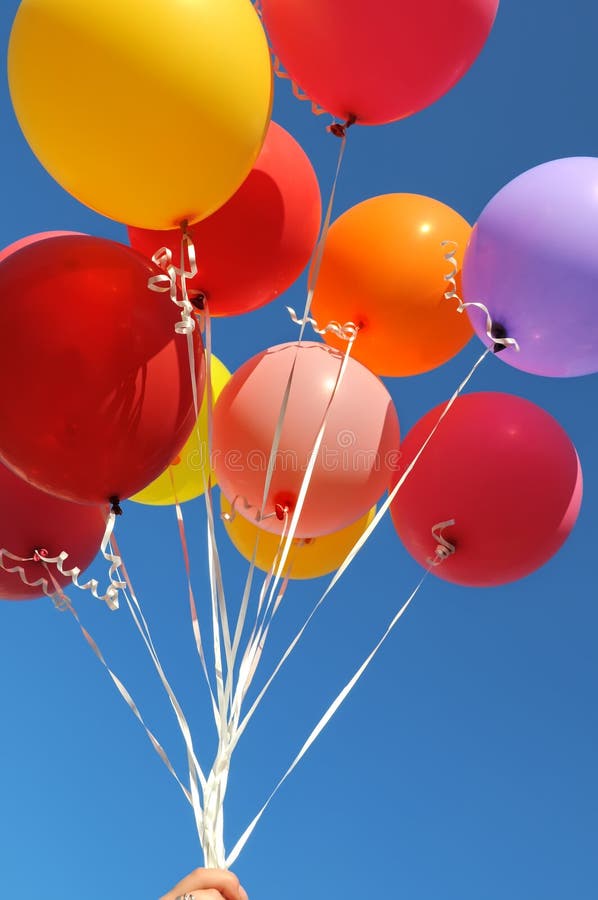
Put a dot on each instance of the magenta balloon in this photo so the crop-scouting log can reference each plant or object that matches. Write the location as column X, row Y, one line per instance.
column 358, row 454
column 532, row 260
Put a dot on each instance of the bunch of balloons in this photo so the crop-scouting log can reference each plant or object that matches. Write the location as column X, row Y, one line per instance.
column 188, row 157
column 158, row 116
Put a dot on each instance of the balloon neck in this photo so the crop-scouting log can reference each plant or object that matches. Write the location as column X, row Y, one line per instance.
column 40, row 555
column 498, row 331
column 283, row 506
column 198, row 300
column 339, row 129
column 115, row 506
column 281, row 511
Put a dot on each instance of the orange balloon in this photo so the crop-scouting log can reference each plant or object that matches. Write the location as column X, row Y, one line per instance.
column 383, row 269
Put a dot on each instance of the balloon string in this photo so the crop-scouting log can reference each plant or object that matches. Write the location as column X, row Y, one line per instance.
column 187, row 270
column 192, row 605
column 358, row 546
column 220, row 622
column 313, row 277
column 66, row 605
column 173, row 280
column 319, row 250
column 260, row 514
column 212, row 837
column 307, row 477
column 323, row 722
column 494, row 331
column 196, row 775
column 221, row 619
column 252, row 647
column 140, row 620
column 110, row 597
column 257, row 638
column 256, row 643
column 346, row 331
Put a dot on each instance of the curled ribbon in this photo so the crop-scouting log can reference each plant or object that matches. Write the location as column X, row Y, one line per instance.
column 110, row 598
column 346, row 332
column 444, row 548
column 239, row 499
column 500, row 341
column 173, row 277
column 316, row 109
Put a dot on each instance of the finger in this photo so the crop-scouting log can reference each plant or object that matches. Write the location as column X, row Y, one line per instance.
column 210, row 879
column 211, row 894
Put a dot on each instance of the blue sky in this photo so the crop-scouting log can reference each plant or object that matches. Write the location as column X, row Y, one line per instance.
column 463, row 765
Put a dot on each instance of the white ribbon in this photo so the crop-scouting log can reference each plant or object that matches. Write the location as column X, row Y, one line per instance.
column 453, row 294
column 323, row 722
column 173, row 277
column 110, row 597
column 444, row 548
column 346, row 332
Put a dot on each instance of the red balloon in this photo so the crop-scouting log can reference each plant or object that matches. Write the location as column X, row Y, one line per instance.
column 256, row 245
column 357, row 455
column 30, row 521
column 380, row 60
column 95, row 388
column 509, row 476
column 32, row 239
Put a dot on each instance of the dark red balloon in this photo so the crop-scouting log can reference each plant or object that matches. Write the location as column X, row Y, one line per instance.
column 256, row 245
column 509, row 476
column 30, row 521
column 95, row 386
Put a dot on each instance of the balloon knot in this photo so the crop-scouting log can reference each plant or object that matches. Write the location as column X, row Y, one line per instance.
column 498, row 331
column 281, row 510
column 198, row 300
column 339, row 129
column 39, row 555
column 115, row 506
column 444, row 547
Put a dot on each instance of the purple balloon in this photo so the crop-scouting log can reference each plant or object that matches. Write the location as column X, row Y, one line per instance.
column 533, row 261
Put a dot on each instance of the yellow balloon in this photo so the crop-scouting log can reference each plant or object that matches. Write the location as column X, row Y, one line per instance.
column 150, row 112
column 307, row 559
column 186, row 470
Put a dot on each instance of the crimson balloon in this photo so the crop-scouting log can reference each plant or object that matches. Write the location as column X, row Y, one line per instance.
column 30, row 521
column 508, row 475
column 32, row 239
column 379, row 60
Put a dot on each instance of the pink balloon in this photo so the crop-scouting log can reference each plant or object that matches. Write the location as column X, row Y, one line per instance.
column 509, row 476
column 357, row 456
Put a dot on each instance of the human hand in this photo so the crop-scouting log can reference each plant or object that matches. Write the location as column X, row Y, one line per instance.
column 208, row 884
